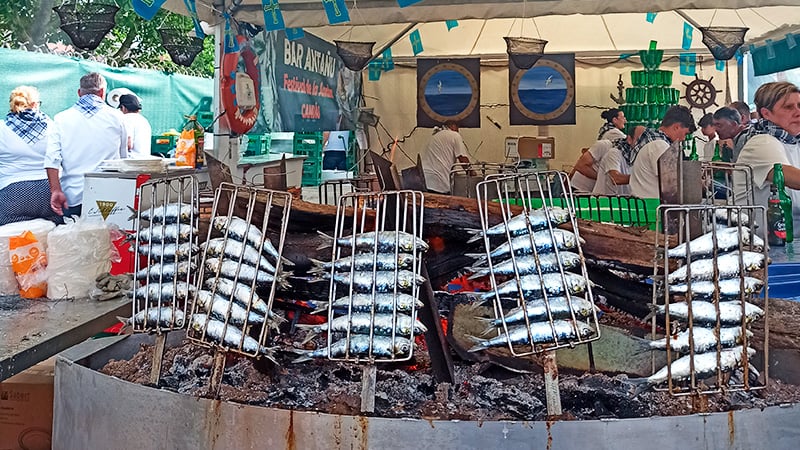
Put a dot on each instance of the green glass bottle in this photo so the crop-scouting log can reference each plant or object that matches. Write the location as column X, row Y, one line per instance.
column 693, row 156
column 776, row 222
column 786, row 201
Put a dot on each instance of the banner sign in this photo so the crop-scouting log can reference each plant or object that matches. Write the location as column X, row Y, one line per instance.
column 306, row 76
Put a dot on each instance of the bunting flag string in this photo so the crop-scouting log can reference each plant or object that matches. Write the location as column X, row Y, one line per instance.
column 388, row 61
column 147, row 9
column 375, row 68
column 687, row 36
column 404, row 3
column 294, row 34
column 231, row 43
column 651, row 17
column 451, row 24
column 720, row 65
column 416, row 42
column 198, row 30
column 273, row 16
column 336, row 10
column 688, row 62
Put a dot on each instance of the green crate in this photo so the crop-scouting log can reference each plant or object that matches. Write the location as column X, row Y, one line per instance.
column 619, row 210
column 161, row 145
column 309, row 144
column 312, row 173
column 256, row 144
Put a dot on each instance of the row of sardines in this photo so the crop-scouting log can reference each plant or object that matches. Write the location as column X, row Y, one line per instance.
column 714, row 336
column 375, row 291
column 541, row 291
column 167, row 242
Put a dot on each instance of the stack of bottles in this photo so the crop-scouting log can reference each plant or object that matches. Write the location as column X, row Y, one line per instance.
column 651, row 94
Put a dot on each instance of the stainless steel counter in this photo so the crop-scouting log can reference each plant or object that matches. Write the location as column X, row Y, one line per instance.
column 34, row 330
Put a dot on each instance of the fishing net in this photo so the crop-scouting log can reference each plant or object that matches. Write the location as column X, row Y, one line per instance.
column 524, row 52
column 86, row 23
column 723, row 41
column 355, row 55
column 182, row 47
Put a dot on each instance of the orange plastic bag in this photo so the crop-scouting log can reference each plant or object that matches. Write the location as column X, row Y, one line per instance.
column 29, row 262
column 185, row 151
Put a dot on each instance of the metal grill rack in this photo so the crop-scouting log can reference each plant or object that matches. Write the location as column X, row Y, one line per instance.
column 721, row 179
column 535, row 262
column 168, row 246
column 236, row 284
column 465, row 177
column 380, row 233
column 708, row 303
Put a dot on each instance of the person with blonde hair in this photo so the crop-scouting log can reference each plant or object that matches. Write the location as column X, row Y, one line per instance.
column 24, row 190
column 773, row 139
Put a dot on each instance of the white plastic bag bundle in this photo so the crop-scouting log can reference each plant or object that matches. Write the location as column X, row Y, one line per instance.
column 40, row 228
column 76, row 254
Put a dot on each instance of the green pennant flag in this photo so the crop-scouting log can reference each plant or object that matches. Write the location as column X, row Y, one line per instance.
column 416, row 42
column 451, row 24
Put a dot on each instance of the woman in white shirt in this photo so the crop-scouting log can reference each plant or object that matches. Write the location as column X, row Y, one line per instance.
column 615, row 123
column 24, row 190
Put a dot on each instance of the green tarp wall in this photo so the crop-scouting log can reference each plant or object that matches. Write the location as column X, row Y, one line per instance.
column 165, row 97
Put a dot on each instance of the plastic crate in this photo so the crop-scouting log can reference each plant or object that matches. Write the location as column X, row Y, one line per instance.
column 312, row 173
column 619, row 210
column 161, row 145
column 308, row 144
column 256, row 145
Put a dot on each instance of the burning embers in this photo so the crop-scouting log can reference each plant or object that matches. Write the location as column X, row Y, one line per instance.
column 707, row 302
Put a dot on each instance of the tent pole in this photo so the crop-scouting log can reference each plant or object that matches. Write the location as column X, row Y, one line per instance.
column 686, row 17
column 392, row 41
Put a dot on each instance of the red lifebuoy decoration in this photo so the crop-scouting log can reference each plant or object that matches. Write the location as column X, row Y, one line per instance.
column 241, row 118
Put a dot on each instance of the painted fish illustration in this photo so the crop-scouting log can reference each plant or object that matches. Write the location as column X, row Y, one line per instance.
column 538, row 219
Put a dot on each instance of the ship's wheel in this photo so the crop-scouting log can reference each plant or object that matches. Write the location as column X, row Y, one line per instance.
column 701, row 94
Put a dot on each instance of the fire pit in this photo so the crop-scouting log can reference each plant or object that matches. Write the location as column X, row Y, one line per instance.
column 132, row 410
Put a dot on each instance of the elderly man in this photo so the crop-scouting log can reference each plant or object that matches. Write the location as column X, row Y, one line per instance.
column 676, row 124
column 445, row 148
column 729, row 127
column 83, row 136
column 613, row 171
column 775, row 138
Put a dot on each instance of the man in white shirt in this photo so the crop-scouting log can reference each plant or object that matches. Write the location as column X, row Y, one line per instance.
column 676, row 124
column 136, row 125
column 613, row 171
column 83, row 136
column 445, row 148
column 775, row 138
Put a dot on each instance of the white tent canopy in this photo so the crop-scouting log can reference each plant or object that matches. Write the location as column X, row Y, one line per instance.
column 584, row 27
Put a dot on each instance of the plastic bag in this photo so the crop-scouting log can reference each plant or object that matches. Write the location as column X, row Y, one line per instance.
column 39, row 228
column 185, row 151
column 76, row 254
column 29, row 262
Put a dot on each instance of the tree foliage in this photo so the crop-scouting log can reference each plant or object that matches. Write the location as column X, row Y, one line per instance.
column 33, row 24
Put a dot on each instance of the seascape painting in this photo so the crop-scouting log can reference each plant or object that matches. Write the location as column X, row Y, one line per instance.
column 542, row 90
column 448, row 92
column 543, row 94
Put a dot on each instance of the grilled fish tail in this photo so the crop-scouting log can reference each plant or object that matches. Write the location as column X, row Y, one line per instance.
column 327, row 244
column 476, row 235
column 489, row 322
column 653, row 312
column 638, row 385
column 480, row 344
column 127, row 328
column 318, row 266
column 134, row 213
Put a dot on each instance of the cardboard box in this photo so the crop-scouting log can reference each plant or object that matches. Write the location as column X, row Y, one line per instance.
column 26, row 408
column 531, row 147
